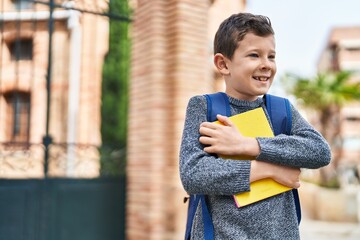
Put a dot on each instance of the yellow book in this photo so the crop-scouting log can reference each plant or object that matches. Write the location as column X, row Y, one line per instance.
column 254, row 123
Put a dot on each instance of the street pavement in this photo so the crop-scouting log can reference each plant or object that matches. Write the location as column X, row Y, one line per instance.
column 319, row 230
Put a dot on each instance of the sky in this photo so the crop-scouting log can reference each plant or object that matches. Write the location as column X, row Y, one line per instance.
column 302, row 28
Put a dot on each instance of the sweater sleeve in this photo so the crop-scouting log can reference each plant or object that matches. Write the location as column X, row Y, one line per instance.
column 304, row 148
column 202, row 173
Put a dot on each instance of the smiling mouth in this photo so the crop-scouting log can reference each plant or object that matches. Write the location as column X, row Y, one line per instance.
column 261, row 79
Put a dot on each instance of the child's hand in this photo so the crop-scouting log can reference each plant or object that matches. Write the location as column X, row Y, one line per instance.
column 226, row 139
column 284, row 175
column 287, row 176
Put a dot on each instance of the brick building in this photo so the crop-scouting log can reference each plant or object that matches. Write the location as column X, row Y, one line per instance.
column 342, row 52
column 79, row 44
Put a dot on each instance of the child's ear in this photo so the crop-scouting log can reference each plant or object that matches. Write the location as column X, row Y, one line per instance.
column 220, row 62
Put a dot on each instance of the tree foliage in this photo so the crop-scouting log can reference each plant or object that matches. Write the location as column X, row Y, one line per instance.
column 114, row 109
column 327, row 89
column 327, row 93
column 115, row 78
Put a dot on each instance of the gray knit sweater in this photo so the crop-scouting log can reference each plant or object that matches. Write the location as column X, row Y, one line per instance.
column 219, row 179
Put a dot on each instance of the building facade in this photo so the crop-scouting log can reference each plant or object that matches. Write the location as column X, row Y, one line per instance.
column 71, row 115
column 342, row 52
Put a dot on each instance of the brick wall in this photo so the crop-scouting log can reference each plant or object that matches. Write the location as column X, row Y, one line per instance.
column 169, row 57
column 170, row 63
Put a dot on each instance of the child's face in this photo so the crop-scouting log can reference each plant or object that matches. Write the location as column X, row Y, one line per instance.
column 252, row 68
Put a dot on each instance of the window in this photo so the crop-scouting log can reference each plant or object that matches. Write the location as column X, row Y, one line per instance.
column 334, row 57
column 23, row 4
column 21, row 49
column 18, row 116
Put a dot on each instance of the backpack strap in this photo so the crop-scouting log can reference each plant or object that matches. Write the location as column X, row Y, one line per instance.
column 217, row 103
column 279, row 111
column 194, row 201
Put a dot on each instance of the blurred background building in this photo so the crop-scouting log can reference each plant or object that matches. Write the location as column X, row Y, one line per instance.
column 79, row 44
column 342, row 52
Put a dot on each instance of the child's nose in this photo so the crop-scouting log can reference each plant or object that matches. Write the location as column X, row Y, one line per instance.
column 266, row 64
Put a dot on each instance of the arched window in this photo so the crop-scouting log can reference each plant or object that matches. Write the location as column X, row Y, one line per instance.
column 17, row 117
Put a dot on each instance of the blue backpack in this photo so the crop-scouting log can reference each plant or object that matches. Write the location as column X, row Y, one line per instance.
column 218, row 103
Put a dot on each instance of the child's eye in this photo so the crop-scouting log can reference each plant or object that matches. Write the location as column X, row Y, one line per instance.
column 272, row 57
column 253, row 55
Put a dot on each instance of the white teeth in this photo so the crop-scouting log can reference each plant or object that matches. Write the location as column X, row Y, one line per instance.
column 261, row 78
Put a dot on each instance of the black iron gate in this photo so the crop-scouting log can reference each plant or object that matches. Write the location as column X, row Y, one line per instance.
column 62, row 209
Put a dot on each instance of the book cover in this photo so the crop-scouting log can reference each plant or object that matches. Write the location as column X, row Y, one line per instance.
column 254, row 123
